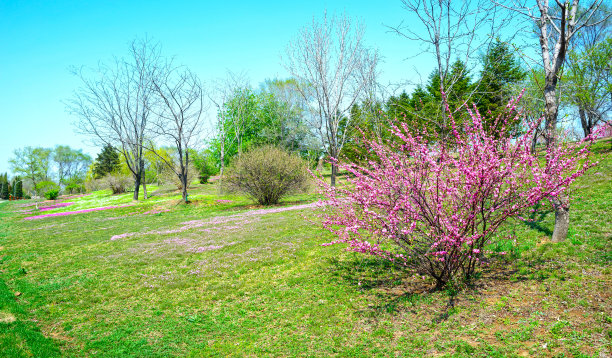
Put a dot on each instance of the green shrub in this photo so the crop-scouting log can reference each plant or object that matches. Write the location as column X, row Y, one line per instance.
column 266, row 174
column 45, row 186
column 52, row 194
column 204, row 163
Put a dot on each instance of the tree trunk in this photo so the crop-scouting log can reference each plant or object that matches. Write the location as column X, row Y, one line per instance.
column 184, row 181
column 583, row 121
column 333, row 174
column 334, row 164
column 144, row 185
column 561, row 206
column 136, row 186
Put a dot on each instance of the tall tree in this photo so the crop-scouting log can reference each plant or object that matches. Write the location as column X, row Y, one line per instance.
column 71, row 164
column 501, row 71
column 179, row 116
column 4, row 187
column 557, row 25
column 334, row 69
column 114, row 104
column 107, row 162
column 450, row 33
column 32, row 163
column 284, row 109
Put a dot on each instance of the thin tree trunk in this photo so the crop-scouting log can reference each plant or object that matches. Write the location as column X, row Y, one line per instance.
column 583, row 121
column 334, row 154
column 184, row 181
column 136, row 186
column 144, row 185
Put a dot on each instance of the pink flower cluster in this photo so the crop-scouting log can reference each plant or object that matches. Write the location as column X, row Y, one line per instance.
column 55, row 206
column 75, row 212
column 440, row 201
column 224, row 201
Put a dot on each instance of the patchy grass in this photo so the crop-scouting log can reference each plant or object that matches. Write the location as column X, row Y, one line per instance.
column 214, row 279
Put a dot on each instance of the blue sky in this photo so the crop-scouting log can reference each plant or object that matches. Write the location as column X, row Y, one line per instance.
column 41, row 40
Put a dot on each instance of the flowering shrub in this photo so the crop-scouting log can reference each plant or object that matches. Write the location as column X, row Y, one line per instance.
column 436, row 204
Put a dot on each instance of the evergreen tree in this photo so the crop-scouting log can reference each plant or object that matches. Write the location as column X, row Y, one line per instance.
column 18, row 187
column 500, row 71
column 4, row 187
column 107, row 162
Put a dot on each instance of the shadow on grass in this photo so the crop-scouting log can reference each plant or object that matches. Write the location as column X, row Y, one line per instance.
column 536, row 218
column 394, row 287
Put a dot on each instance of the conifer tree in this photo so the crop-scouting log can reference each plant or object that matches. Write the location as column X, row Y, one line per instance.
column 107, row 162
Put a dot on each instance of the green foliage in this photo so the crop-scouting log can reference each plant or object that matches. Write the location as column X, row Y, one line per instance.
column 4, row 190
column 45, row 186
column 32, row 163
column 273, row 115
column 107, row 162
column 425, row 108
column 5, row 186
column 589, row 83
column 71, row 164
column 267, row 174
column 18, row 187
column 501, row 71
column 52, row 194
column 204, row 163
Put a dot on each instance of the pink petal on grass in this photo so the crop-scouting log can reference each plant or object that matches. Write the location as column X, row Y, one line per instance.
column 75, row 212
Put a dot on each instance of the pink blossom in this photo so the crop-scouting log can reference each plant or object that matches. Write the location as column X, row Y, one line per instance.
column 55, row 206
column 440, row 201
column 75, row 212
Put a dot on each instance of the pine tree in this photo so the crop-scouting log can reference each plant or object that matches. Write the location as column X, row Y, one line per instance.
column 500, row 70
column 18, row 188
column 106, row 162
column 4, row 187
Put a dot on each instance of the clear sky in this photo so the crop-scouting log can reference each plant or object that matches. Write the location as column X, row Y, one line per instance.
column 41, row 40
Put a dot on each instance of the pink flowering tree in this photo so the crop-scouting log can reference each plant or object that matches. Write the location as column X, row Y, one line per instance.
column 435, row 205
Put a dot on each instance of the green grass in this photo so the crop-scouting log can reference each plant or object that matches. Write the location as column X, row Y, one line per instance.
column 235, row 284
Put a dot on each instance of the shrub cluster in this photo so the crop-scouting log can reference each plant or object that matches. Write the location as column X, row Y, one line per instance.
column 117, row 183
column 266, row 174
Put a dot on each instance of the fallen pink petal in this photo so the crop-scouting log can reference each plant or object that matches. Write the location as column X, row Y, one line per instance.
column 75, row 212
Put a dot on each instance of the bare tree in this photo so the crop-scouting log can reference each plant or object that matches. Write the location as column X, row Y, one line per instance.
column 179, row 112
column 114, row 105
column 332, row 66
column 556, row 26
column 451, row 31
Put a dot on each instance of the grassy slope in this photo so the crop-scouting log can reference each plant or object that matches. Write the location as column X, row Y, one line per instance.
column 263, row 286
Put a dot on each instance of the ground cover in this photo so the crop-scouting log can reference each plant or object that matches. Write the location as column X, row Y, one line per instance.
column 221, row 277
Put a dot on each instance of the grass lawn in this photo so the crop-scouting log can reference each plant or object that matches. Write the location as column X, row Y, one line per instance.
column 220, row 277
